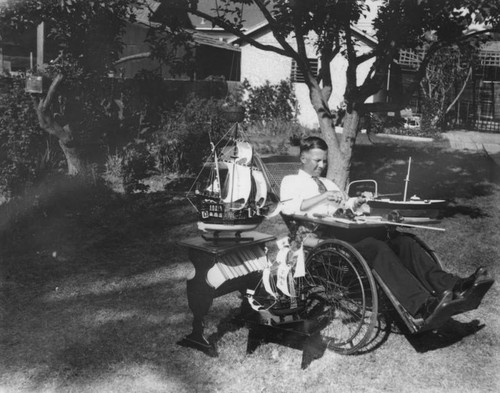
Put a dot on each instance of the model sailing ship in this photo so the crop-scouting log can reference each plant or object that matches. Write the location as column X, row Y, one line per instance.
column 231, row 191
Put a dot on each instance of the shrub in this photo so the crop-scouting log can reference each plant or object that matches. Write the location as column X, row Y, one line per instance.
column 431, row 121
column 270, row 102
column 182, row 141
column 177, row 142
column 138, row 164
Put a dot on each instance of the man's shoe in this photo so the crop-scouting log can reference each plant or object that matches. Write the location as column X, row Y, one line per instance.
column 464, row 285
column 434, row 304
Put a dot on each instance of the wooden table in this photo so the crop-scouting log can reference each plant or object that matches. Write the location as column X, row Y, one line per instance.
column 355, row 230
column 221, row 267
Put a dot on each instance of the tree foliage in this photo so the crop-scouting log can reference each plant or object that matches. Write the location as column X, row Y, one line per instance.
column 87, row 31
column 83, row 39
column 86, row 38
column 25, row 151
column 445, row 79
column 271, row 101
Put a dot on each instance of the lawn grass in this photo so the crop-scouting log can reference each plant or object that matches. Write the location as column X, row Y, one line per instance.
column 93, row 295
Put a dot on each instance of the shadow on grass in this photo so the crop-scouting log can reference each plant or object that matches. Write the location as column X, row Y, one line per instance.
column 84, row 339
column 382, row 331
column 471, row 211
column 434, row 174
column 449, row 334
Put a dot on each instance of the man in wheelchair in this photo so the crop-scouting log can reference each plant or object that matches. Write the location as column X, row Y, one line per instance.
column 420, row 285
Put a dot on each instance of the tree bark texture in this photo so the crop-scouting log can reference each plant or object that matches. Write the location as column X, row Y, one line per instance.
column 51, row 123
column 339, row 145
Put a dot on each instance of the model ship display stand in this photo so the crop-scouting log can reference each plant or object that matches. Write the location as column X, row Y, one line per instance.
column 220, row 268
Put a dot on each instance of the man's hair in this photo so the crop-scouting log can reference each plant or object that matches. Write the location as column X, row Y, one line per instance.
column 312, row 142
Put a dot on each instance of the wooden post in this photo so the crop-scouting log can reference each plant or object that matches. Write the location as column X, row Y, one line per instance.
column 474, row 101
column 39, row 44
column 492, row 101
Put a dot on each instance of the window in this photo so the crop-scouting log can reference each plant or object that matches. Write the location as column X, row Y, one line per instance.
column 296, row 74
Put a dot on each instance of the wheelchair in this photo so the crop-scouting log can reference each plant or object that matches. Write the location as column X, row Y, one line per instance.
column 340, row 297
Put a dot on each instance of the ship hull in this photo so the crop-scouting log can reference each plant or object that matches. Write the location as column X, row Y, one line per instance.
column 424, row 208
column 232, row 226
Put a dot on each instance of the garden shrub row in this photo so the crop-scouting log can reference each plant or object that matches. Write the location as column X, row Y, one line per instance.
column 131, row 130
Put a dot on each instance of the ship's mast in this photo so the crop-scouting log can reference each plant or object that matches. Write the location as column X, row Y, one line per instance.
column 407, row 180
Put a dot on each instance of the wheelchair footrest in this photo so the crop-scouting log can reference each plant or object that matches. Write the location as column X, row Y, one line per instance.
column 469, row 302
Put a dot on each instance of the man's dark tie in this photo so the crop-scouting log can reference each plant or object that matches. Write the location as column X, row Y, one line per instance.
column 321, row 186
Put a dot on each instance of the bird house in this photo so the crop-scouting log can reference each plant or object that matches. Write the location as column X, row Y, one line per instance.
column 34, row 84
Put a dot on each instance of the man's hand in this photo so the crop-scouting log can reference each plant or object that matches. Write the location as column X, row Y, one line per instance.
column 359, row 201
column 335, row 196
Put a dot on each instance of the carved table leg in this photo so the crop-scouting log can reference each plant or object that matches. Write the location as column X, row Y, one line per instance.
column 200, row 297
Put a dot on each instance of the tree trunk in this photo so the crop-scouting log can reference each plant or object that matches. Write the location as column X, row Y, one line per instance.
column 339, row 145
column 76, row 165
column 50, row 122
column 340, row 159
column 71, row 149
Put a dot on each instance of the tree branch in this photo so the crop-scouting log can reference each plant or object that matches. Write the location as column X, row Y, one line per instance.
column 351, row 77
column 367, row 56
column 325, row 74
column 461, row 91
column 289, row 51
column 420, row 73
column 137, row 56
column 46, row 117
column 47, row 101
column 474, row 34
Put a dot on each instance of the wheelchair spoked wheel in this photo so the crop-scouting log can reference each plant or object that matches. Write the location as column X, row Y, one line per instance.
column 350, row 295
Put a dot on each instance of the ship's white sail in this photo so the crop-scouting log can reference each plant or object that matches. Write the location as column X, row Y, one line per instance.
column 215, row 172
column 241, row 153
column 237, row 186
column 261, row 188
column 244, row 153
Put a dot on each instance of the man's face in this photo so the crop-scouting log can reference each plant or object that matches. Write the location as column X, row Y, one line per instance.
column 313, row 161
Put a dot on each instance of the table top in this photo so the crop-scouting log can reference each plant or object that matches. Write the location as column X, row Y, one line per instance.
column 361, row 221
column 224, row 245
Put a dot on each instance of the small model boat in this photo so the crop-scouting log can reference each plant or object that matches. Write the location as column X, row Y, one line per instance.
column 380, row 205
column 414, row 207
column 231, row 191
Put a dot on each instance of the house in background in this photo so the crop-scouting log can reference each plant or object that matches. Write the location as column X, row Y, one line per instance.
column 478, row 107
column 216, row 63
column 259, row 66
column 16, row 53
column 221, row 57
column 213, row 57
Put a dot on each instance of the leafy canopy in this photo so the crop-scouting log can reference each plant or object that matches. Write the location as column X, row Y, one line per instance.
column 89, row 32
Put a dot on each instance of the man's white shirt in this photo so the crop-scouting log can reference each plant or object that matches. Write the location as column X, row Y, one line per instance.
column 296, row 188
